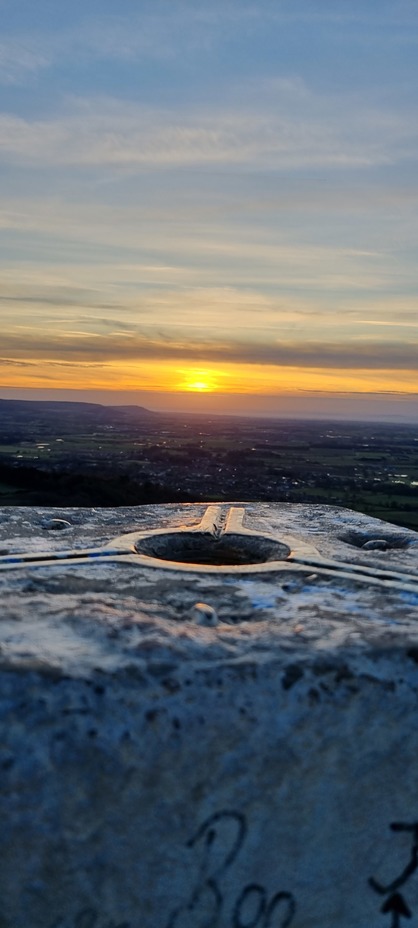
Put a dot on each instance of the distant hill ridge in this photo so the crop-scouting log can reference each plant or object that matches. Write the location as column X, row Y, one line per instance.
column 7, row 405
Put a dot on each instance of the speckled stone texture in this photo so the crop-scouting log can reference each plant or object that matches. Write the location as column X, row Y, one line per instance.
column 249, row 762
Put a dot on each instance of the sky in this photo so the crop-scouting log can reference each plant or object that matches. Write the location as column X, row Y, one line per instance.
column 211, row 206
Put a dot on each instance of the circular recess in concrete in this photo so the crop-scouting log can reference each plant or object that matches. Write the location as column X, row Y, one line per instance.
column 56, row 525
column 230, row 549
column 375, row 542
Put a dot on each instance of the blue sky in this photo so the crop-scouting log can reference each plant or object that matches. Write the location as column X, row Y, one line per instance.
column 224, row 192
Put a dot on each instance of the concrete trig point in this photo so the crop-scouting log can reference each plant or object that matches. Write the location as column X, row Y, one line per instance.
column 209, row 718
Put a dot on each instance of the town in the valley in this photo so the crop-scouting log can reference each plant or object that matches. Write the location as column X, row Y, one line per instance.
column 64, row 454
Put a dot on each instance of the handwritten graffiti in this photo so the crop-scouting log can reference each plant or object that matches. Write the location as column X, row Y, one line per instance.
column 395, row 904
column 264, row 912
column 219, row 841
column 211, row 903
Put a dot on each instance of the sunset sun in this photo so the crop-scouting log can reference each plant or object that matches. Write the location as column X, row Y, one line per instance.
column 198, row 381
column 200, row 385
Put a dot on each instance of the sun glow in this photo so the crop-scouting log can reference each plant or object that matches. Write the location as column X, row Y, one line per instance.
column 199, row 381
column 214, row 381
column 198, row 385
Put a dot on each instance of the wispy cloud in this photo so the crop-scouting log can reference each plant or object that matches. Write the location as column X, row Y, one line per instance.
column 158, row 31
column 12, row 362
column 174, row 345
column 20, row 60
column 175, row 32
column 394, row 324
column 75, row 366
column 228, row 254
column 289, row 134
column 202, row 317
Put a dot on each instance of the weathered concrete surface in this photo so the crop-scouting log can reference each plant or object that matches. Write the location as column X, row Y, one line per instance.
column 249, row 765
